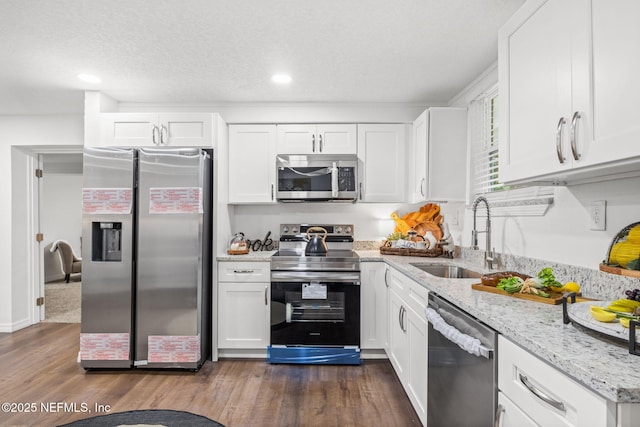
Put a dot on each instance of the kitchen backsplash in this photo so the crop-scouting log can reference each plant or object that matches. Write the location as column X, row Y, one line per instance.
column 594, row 283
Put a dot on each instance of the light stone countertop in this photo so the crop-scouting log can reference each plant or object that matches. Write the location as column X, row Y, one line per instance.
column 603, row 365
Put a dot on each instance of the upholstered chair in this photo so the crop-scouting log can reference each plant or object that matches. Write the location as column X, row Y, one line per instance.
column 69, row 262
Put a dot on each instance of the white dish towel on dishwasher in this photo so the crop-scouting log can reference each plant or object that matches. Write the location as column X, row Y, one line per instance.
column 467, row 343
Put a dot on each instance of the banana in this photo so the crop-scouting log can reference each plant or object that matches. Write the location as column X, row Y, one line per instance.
column 620, row 308
column 600, row 315
column 627, row 303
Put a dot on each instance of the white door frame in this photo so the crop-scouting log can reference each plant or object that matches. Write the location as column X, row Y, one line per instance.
column 34, row 189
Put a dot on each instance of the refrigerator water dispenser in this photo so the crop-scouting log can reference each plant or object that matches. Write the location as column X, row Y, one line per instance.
column 106, row 245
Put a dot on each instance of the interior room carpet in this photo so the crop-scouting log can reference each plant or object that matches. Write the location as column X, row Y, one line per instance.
column 62, row 302
column 152, row 417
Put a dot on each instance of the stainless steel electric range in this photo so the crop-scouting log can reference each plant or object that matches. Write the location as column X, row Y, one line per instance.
column 315, row 299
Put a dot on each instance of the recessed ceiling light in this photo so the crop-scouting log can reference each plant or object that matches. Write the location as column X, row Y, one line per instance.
column 89, row 78
column 281, row 78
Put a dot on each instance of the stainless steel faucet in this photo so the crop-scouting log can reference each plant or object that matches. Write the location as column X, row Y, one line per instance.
column 489, row 255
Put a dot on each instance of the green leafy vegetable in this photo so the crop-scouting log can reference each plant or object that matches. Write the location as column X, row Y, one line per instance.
column 510, row 284
column 548, row 279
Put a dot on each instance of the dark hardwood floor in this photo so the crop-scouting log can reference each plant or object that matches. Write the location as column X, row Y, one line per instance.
column 38, row 366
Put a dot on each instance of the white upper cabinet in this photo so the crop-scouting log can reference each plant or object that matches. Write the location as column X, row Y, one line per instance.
column 317, row 139
column 438, row 159
column 155, row 129
column 252, row 163
column 381, row 155
column 568, row 95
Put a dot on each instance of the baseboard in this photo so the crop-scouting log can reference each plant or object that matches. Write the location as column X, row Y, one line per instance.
column 15, row 326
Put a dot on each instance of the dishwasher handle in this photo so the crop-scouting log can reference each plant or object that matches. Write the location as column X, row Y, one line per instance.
column 466, row 342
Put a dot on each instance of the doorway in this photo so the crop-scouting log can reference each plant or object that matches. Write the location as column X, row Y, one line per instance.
column 60, row 220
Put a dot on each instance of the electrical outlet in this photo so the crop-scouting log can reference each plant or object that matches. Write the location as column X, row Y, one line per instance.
column 598, row 215
column 454, row 218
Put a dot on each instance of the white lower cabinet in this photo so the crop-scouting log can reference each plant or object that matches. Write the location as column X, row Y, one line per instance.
column 407, row 347
column 373, row 305
column 243, row 306
column 544, row 395
column 509, row 415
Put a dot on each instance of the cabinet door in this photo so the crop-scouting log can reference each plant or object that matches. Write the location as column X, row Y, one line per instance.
column 336, row 139
column 186, row 129
column 416, row 325
column 128, row 130
column 373, row 298
column 447, row 154
column 252, row 163
column 381, row 152
column 509, row 415
column 297, row 139
column 616, row 60
column 543, row 81
column 398, row 351
column 243, row 315
column 419, row 152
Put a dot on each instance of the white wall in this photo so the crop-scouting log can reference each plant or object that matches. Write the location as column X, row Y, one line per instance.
column 60, row 214
column 19, row 135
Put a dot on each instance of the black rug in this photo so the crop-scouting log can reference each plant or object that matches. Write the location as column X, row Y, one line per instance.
column 151, row 416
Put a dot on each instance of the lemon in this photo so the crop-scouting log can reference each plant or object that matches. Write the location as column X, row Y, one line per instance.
column 601, row 315
column 572, row 287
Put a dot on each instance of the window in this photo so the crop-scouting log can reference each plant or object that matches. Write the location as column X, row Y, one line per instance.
column 484, row 178
column 484, row 137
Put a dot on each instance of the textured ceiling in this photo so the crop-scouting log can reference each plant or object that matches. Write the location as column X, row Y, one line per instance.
column 207, row 51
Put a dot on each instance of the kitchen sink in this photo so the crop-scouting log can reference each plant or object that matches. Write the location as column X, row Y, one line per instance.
column 448, row 271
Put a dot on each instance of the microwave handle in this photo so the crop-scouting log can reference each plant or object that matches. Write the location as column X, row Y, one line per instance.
column 334, row 180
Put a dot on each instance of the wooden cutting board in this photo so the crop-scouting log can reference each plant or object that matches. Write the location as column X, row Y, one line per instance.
column 555, row 298
column 619, row 271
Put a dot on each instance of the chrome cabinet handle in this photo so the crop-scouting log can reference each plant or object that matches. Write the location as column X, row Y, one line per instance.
column 243, row 271
column 422, row 181
column 313, row 143
column 540, row 395
column 320, row 142
column 266, row 291
column 360, row 191
column 403, row 311
column 561, row 123
column 154, row 134
column 164, row 132
column 271, row 191
column 574, row 144
column 386, row 282
column 400, row 318
column 498, row 419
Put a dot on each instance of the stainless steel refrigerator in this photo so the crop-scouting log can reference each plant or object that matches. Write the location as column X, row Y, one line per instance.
column 146, row 251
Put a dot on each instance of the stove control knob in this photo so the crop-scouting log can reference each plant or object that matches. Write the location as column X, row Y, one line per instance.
column 338, row 229
column 347, row 230
column 285, row 229
column 294, row 230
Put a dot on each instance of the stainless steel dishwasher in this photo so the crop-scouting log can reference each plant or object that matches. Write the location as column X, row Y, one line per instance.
column 461, row 386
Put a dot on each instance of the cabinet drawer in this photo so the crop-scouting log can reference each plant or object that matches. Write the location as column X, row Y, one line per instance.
column 547, row 395
column 243, row 271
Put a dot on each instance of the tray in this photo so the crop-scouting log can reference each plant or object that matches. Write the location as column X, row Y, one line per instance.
column 387, row 250
column 555, row 298
column 237, row 252
column 619, row 271
column 580, row 314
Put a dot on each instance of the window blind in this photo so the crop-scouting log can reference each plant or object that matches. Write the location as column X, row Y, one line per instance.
column 483, row 125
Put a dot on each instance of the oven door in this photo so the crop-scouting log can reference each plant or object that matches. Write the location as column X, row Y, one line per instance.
column 315, row 314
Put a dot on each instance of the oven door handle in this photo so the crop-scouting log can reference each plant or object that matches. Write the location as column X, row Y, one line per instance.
column 466, row 342
column 316, row 276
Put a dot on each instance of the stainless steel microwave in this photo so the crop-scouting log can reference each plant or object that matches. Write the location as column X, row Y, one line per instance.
column 317, row 177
